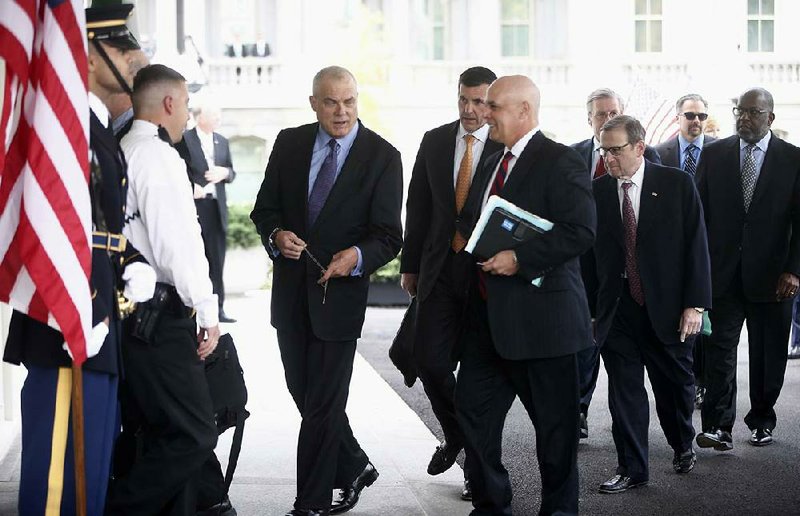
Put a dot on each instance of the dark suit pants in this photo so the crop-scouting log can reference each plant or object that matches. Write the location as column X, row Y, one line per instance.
column 768, row 332
column 214, row 243
column 318, row 377
column 588, row 370
column 548, row 388
column 166, row 381
column 440, row 321
column 632, row 346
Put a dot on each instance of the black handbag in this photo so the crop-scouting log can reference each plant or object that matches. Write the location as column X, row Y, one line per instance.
column 225, row 379
column 401, row 352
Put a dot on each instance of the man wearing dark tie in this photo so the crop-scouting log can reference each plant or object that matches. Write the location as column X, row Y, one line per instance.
column 653, row 284
column 602, row 105
column 522, row 339
column 683, row 152
column 750, row 187
column 434, row 267
column 328, row 213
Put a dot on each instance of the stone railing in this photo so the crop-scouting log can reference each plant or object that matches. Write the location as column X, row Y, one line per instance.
column 772, row 73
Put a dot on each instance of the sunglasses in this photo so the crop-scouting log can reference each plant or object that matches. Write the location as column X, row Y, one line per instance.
column 691, row 116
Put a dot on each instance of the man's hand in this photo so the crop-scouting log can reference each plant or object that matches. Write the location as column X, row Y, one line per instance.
column 503, row 263
column 290, row 245
column 342, row 264
column 787, row 287
column 408, row 282
column 216, row 174
column 198, row 191
column 691, row 321
column 207, row 339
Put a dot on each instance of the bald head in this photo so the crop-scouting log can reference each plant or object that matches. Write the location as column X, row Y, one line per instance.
column 513, row 108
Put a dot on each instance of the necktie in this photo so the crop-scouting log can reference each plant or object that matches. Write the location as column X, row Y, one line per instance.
column 629, row 227
column 323, row 184
column 463, row 181
column 600, row 169
column 748, row 175
column 497, row 185
column 689, row 164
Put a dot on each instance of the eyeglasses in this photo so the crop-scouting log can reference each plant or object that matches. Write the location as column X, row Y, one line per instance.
column 751, row 112
column 614, row 151
column 602, row 115
column 690, row 115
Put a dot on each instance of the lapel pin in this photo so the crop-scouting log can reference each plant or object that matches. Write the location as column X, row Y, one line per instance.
column 654, row 194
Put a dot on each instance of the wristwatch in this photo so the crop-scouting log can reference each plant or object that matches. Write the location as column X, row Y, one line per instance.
column 699, row 310
column 272, row 238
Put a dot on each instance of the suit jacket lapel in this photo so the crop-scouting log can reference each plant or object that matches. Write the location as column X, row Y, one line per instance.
column 648, row 202
column 304, row 146
column 608, row 189
column 525, row 162
column 765, row 175
column 732, row 166
column 443, row 173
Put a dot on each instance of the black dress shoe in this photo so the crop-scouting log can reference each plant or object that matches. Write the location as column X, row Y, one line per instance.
column 683, row 462
column 223, row 508
column 718, row 439
column 223, row 317
column 620, row 484
column 443, row 458
column 761, row 437
column 466, row 493
column 584, row 426
column 348, row 497
column 306, row 512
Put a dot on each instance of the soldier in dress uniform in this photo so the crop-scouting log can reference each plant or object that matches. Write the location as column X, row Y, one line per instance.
column 47, row 471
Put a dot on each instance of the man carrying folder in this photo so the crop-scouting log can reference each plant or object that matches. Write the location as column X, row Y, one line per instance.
column 521, row 340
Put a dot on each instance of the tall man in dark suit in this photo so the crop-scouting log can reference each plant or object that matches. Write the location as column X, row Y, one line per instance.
column 654, row 283
column 434, row 267
column 750, row 187
column 328, row 213
column 211, row 168
column 601, row 105
column 522, row 339
column 683, row 152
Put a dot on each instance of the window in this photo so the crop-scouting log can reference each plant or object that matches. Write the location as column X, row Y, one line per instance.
column 648, row 25
column 436, row 14
column 515, row 28
column 760, row 25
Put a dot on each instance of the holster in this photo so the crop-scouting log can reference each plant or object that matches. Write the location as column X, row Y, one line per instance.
column 147, row 315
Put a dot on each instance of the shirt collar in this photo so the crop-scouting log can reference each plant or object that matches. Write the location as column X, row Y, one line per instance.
column 637, row 178
column 345, row 142
column 596, row 143
column 518, row 147
column 144, row 127
column 683, row 142
column 100, row 109
column 762, row 144
column 481, row 133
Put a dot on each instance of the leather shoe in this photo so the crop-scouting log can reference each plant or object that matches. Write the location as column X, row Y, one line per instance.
column 348, row 497
column 620, row 484
column 584, row 426
column 718, row 439
column 443, row 458
column 794, row 352
column 761, row 437
column 223, row 317
column 223, row 508
column 683, row 462
column 466, row 493
column 306, row 512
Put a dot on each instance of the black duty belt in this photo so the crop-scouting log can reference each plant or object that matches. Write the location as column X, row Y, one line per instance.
column 111, row 242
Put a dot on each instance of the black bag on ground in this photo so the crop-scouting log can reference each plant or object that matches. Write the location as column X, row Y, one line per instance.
column 228, row 396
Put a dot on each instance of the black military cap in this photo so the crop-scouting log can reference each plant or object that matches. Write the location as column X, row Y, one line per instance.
column 107, row 24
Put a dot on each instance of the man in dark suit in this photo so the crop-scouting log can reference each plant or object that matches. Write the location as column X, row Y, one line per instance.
column 601, row 105
column 521, row 339
column 434, row 267
column 205, row 146
column 328, row 213
column 750, row 187
column 654, row 283
column 683, row 152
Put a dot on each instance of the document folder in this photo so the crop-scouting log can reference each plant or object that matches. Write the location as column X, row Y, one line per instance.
column 503, row 225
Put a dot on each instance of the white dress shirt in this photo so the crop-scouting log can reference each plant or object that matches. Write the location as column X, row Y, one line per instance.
column 634, row 192
column 207, row 145
column 481, row 134
column 758, row 153
column 595, row 154
column 516, row 150
column 161, row 219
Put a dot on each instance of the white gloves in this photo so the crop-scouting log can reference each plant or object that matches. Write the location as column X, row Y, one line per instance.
column 140, row 282
column 99, row 334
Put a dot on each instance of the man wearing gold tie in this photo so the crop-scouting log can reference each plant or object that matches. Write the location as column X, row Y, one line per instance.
column 434, row 267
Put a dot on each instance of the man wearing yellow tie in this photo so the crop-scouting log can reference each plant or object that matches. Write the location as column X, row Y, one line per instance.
column 433, row 265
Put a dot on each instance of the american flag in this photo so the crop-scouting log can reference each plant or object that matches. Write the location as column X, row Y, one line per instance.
column 654, row 108
column 45, row 209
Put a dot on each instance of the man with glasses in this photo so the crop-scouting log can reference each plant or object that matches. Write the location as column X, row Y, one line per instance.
column 750, row 187
column 653, row 283
column 602, row 105
column 683, row 152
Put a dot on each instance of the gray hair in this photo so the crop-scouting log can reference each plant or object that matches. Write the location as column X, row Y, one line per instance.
column 331, row 72
column 603, row 93
column 632, row 127
column 691, row 96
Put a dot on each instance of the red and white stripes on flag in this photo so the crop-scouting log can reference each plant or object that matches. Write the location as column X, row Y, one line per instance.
column 45, row 209
column 654, row 110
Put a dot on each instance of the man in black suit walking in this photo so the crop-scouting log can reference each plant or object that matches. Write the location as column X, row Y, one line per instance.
column 211, row 168
column 601, row 105
column 750, row 187
column 522, row 339
column 653, row 283
column 434, row 267
column 328, row 213
column 683, row 152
